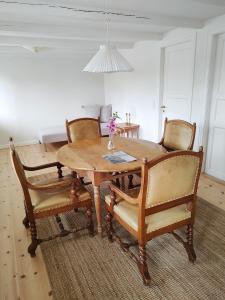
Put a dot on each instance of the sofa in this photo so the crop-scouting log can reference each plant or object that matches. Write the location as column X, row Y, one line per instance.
column 58, row 133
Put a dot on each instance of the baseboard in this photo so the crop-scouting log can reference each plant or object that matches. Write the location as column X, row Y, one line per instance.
column 23, row 143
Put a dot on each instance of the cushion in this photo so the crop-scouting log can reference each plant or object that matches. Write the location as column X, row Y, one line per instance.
column 106, row 113
column 104, row 129
column 53, row 134
column 92, row 111
column 129, row 214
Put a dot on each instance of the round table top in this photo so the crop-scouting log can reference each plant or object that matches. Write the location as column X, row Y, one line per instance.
column 87, row 155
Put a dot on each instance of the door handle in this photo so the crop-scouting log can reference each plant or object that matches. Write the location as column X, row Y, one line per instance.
column 163, row 108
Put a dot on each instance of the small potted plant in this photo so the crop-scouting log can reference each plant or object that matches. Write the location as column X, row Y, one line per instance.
column 112, row 129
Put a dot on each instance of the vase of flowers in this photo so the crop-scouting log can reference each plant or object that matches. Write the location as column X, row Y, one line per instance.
column 112, row 130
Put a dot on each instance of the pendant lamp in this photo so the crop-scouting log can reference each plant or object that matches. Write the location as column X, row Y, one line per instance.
column 108, row 59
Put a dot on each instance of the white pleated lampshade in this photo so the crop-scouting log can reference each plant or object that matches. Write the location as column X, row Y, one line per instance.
column 108, row 60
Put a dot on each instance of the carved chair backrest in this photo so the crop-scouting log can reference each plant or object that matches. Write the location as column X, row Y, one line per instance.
column 178, row 135
column 85, row 128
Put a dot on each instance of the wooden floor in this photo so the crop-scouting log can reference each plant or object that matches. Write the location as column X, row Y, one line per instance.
column 22, row 277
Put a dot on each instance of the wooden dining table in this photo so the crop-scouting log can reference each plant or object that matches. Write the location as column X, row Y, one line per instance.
column 86, row 158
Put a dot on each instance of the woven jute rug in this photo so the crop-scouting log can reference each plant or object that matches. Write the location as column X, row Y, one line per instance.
column 83, row 267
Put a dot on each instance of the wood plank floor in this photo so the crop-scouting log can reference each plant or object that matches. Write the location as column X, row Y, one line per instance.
column 22, row 277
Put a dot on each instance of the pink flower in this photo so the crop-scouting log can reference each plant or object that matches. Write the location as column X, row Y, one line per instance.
column 112, row 125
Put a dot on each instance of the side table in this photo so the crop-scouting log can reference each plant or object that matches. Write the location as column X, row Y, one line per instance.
column 128, row 130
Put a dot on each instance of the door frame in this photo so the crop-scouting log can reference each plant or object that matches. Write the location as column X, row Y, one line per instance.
column 190, row 36
column 211, row 45
column 214, row 39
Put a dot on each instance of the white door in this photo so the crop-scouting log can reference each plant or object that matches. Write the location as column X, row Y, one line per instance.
column 178, row 73
column 215, row 163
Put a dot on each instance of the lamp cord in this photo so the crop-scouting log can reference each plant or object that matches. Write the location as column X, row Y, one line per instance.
column 107, row 22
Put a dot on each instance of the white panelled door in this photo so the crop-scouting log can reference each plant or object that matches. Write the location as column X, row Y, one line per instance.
column 178, row 77
column 215, row 163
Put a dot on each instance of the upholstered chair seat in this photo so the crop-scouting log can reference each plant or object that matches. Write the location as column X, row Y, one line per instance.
column 129, row 214
column 48, row 200
column 49, row 179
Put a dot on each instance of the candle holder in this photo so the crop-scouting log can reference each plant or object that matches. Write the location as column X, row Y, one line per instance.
column 128, row 118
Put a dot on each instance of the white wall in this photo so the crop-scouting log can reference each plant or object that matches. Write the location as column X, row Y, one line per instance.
column 42, row 92
column 137, row 92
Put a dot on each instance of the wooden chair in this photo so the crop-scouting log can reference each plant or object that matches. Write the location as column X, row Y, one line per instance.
column 84, row 128
column 178, row 135
column 166, row 201
column 49, row 198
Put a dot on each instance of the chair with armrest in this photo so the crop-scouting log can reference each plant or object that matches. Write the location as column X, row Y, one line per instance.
column 177, row 135
column 49, row 197
column 156, row 210
column 84, row 128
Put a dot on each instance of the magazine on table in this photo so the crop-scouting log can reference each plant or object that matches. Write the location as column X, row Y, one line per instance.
column 119, row 157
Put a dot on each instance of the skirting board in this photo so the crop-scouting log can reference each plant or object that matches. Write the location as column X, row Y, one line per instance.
column 24, row 143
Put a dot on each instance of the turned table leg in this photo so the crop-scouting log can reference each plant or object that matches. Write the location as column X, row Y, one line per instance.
column 97, row 199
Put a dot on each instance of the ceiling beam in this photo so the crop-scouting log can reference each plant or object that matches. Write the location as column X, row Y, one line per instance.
column 78, row 33
column 67, row 44
column 211, row 2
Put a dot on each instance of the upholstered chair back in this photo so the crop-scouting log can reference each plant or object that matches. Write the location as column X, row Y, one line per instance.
column 178, row 135
column 17, row 165
column 86, row 128
column 174, row 176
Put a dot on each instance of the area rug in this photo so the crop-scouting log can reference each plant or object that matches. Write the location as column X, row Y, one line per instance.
column 83, row 267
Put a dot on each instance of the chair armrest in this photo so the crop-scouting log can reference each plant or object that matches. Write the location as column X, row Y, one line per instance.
column 45, row 166
column 123, row 195
column 51, row 186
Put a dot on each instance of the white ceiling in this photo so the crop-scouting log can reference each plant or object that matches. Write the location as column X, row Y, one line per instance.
column 77, row 26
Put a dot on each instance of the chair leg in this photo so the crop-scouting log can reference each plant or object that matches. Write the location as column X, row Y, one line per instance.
column 26, row 222
column 109, row 227
column 118, row 182
column 142, row 265
column 189, row 245
column 90, row 224
column 34, row 241
column 130, row 182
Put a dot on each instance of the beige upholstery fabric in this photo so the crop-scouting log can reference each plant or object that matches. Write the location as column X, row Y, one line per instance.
column 177, row 136
column 43, row 200
column 171, row 179
column 129, row 214
column 84, row 129
column 48, row 178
